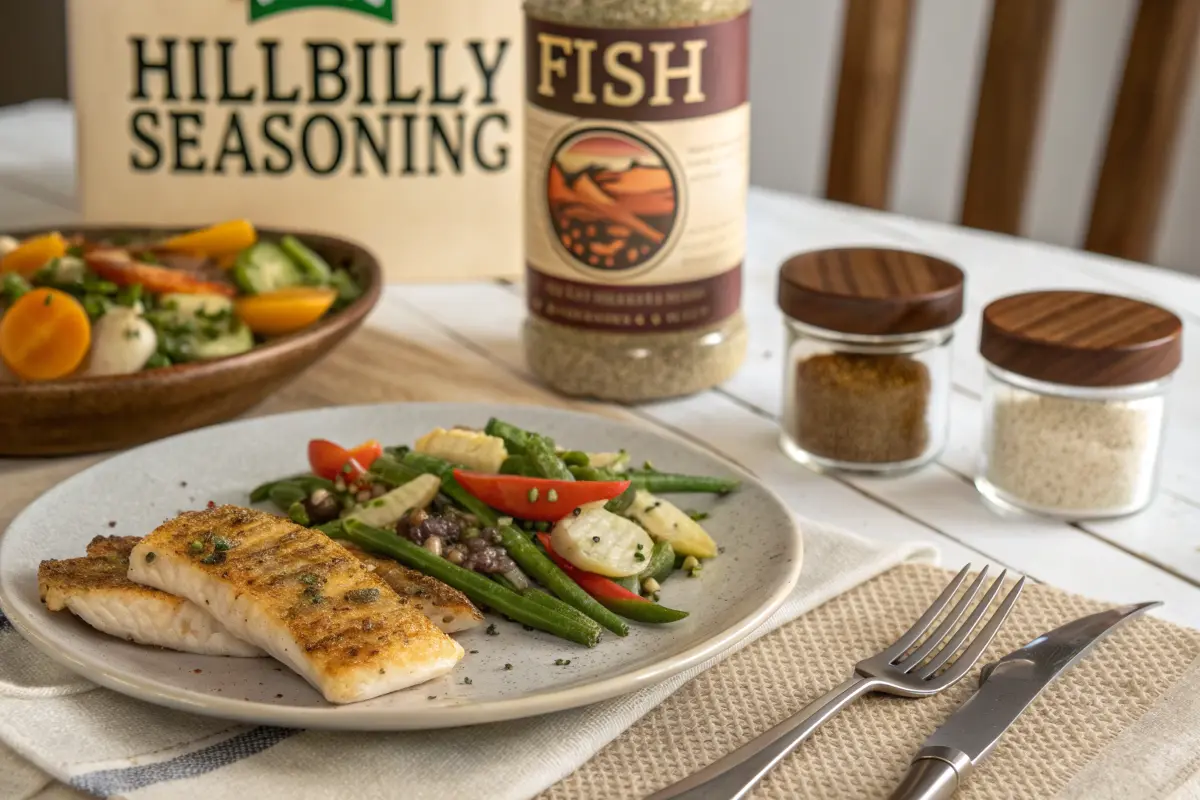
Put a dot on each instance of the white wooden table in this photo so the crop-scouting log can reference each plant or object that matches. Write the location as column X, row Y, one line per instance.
column 1155, row 555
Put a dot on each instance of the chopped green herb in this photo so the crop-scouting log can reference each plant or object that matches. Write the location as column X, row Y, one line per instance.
column 431, row 697
column 49, row 299
column 196, row 546
column 639, row 556
column 491, row 630
column 640, row 546
column 541, row 526
column 308, row 579
column 467, row 681
column 151, row 556
column 216, row 557
column 552, row 496
column 507, row 666
column 533, row 494
column 561, row 662
column 363, row 595
column 698, row 516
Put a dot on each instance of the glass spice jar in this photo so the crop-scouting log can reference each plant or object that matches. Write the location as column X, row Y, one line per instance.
column 637, row 165
column 1075, row 402
column 867, row 365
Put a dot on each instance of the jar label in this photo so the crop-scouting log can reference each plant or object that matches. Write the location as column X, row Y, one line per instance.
column 637, row 161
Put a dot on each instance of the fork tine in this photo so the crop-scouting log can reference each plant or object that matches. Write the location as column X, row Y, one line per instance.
column 944, row 655
column 952, row 617
column 972, row 653
column 922, row 624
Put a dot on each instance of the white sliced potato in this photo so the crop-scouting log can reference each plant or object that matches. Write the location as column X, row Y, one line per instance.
column 474, row 450
column 386, row 511
column 666, row 522
column 7, row 245
column 122, row 342
column 602, row 542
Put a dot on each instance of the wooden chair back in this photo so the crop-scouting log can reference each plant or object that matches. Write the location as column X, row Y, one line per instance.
column 1142, row 135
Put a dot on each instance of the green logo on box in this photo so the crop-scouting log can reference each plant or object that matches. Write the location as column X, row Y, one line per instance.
column 383, row 9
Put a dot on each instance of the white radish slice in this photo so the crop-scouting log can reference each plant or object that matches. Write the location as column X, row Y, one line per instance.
column 599, row 541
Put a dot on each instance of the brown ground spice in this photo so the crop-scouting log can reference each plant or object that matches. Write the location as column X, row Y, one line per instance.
column 859, row 408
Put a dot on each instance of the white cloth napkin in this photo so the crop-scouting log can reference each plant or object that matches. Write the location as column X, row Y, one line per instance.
column 57, row 729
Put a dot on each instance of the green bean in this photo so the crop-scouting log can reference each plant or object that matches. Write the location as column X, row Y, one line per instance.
column 547, row 600
column 516, row 465
column 660, row 563
column 283, row 494
column 477, row 587
column 645, row 611
column 539, row 567
column 309, row 483
column 389, row 470
column 575, row 458
column 298, row 514
column 594, row 474
column 334, row 530
column 621, row 503
column 545, row 462
column 668, row 483
column 516, row 441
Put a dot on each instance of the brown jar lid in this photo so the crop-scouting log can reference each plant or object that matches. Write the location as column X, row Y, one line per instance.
column 1081, row 338
column 871, row 291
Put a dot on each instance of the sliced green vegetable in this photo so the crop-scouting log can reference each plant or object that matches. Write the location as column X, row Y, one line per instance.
column 315, row 270
column 12, row 286
column 516, row 465
column 265, row 267
column 283, row 495
column 644, row 611
column 575, row 458
column 621, row 503
column 661, row 562
column 238, row 340
column 298, row 514
column 347, row 288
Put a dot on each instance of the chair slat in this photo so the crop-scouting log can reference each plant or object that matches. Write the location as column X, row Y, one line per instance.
column 1008, row 112
column 875, row 38
column 1142, row 139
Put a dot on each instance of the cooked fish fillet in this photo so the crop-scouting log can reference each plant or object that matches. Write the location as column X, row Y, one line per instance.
column 446, row 607
column 300, row 596
column 96, row 590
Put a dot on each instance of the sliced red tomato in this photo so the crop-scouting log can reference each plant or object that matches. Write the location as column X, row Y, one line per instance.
column 597, row 586
column 536, row 499
column 120, row 268
column 329, row 460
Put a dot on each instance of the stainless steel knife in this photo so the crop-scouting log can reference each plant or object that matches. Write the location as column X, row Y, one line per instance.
column 1006, row 688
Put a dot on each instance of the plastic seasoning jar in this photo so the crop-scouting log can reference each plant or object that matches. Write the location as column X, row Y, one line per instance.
column 637, row 166
column 1075, row 402
column 867, row 367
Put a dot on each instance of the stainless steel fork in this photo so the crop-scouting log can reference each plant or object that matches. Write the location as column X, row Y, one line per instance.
column 897, row 671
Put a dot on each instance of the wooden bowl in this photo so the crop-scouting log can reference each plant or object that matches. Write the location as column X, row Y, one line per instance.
column 91, row 415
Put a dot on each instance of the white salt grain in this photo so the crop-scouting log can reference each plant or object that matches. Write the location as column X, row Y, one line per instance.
column 1078, row 455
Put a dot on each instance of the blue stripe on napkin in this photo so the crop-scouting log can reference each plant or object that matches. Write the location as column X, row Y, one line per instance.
column 108, row 782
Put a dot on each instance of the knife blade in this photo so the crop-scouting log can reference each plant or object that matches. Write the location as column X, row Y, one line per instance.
column 1007, row 686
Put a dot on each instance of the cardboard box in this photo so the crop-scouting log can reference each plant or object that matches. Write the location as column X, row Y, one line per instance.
column 396, row 123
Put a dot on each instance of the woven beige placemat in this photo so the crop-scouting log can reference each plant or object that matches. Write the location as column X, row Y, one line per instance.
column 1124, row 722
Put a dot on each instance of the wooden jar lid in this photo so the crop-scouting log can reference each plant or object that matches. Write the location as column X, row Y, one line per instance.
column 1081, row 338
column 871, row 291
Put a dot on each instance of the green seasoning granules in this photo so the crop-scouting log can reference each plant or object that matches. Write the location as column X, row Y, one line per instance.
column 637, row 140
column 859, row 408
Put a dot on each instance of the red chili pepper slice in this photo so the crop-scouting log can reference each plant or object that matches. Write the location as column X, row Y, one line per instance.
column 536, row 499
column 330, row 460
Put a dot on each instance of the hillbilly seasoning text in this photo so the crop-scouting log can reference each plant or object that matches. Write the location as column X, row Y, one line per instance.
column 637, row 123
column 867, row 376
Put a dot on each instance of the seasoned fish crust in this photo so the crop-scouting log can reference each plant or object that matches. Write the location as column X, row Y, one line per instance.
column 446, row 607
column 300, row 596
column 96, row 590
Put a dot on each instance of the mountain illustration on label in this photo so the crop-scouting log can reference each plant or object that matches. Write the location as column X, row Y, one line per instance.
column 383, row 9
column 612, row 199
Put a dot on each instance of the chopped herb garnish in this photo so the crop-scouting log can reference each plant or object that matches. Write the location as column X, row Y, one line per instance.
column 468, row 681
column 431, row 697
column 363, row 595
column 473, row 652
column 49, row 299
column 133, row 333
column 221, row 544
column 347, row 469
column 552, row 496
column 641, row 547
column 308, row 579
column 698, row 516
column 508, row 666
column 639, row 556
column 491, row 630
column 533, row 494
column 561, row 662
column 112, row 523
column 216, row 557
column 196, row 546
column 151, row 556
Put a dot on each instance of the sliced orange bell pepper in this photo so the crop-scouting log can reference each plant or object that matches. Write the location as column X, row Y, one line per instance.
column 285, row 310
column 120, row 268
column 33, row 254
column 44, row 335
column 221, row 239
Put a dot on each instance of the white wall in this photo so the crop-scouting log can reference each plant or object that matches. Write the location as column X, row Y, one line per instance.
column 796, row 48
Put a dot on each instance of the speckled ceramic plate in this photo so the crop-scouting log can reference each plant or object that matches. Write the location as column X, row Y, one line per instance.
column 139, row 489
